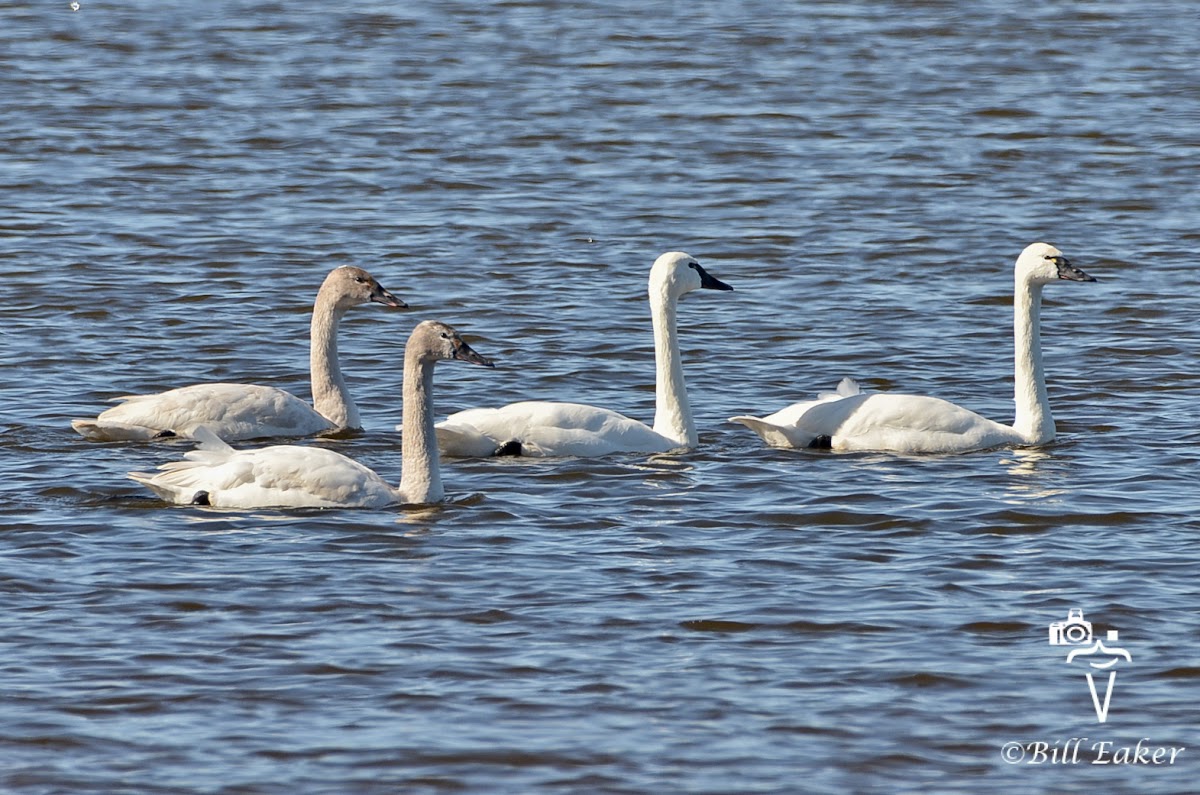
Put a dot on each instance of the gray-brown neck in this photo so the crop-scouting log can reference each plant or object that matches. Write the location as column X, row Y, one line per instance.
column 420, row 475
column 331, row 398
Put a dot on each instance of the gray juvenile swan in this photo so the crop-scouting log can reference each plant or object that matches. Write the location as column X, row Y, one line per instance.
column 250, row 411
column 851, row 420
column 291, row 476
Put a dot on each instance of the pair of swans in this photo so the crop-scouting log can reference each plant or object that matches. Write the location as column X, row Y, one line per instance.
column 293, row 476
column 290, row 475
column 846, row 419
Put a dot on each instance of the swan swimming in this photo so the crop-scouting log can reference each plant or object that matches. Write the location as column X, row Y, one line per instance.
column 292, row 476
column 542, row 428
column 250, row 411
column 852, row 420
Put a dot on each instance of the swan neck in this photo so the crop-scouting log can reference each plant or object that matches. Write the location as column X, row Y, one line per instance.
column 1034, row 423
column 420, row 478
column 672, row 413
column 331, row 398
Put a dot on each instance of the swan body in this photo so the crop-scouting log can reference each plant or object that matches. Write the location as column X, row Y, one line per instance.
column 292, row 476
column 249, row 411
column 543, row 428
column 883, row 421
column 549, row 429
column 852, row 420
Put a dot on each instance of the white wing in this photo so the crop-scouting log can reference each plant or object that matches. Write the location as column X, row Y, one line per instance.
column 552, row 429
column 285, row 476
column 232, row 411
column 851, row 420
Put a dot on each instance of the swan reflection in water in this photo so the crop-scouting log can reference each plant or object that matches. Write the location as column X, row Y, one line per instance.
column 1034, row 474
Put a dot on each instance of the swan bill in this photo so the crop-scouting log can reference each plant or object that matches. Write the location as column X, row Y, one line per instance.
column 707, row 280
column 382, row 296
column 465, row 353
column 1068, row 272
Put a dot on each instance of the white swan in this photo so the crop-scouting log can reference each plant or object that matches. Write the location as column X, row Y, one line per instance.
column 249, row 411
column 291, row 476
column 540, row 428
column 851, row 420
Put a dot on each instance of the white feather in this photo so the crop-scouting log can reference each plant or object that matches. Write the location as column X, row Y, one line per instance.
column 549, row 429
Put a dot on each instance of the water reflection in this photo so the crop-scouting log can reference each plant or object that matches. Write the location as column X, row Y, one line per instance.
column 516, row 165
column 1034, row 474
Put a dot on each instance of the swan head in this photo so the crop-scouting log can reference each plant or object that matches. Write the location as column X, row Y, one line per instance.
column 433, row 341
column 676, row 273
column 1042, row 263
column 350, row 286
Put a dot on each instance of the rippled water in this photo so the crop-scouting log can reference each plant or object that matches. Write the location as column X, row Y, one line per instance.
column 179, row 177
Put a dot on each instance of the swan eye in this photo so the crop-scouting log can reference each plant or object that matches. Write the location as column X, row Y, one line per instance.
column 694, row 266
column 360, row 280
column 445, row 336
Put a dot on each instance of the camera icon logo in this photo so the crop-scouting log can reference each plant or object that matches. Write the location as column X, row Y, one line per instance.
column 1072, row 632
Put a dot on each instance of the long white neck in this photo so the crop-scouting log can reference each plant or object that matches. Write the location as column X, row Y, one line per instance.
column 1033, row 421
column 420, row 475
column 331, row 398
column 672, row 414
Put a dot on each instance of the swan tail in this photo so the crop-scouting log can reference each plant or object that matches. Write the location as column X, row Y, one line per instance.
column 458, row 440
column 173, row 487
column 162, row 485
column 114, row 432
column 773, row 435
column 186, row 482
column 208, row 440
column 210, row 451
column 847, row 387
